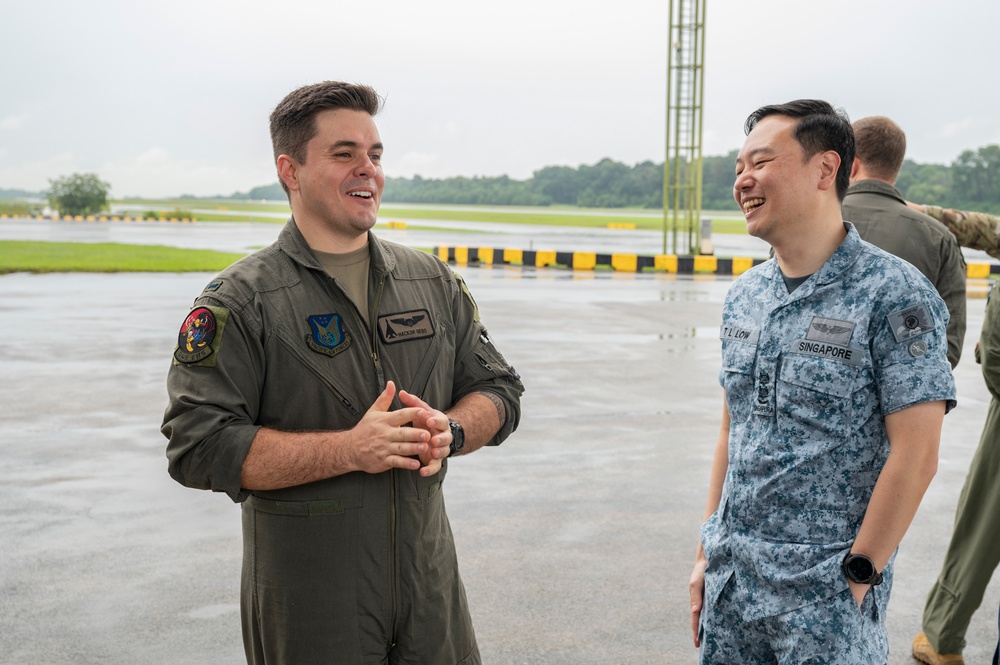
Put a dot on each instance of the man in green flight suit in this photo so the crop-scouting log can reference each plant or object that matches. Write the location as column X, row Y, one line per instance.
column 283, row 394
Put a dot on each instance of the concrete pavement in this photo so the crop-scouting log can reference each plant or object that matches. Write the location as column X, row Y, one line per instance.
column 575, row 537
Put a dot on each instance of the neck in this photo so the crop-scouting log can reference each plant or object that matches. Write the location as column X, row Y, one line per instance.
column 803, row 253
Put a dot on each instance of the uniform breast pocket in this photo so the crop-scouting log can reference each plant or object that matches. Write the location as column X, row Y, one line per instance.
column 737, row 378
column 814, row 397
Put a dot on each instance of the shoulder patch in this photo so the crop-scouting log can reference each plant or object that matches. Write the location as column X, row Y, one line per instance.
column 910, row 322
column 200, row 336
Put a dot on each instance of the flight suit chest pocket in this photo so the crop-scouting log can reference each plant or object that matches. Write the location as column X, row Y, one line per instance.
column 814, row 397
column 737, row 378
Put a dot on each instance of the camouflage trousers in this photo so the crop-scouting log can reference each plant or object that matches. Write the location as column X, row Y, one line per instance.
column 831, row 632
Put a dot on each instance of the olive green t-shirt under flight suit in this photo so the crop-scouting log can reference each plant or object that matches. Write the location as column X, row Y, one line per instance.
column 359, row 568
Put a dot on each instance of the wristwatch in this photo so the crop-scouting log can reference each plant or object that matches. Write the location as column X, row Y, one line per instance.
column 457, row 438
column 859, row 568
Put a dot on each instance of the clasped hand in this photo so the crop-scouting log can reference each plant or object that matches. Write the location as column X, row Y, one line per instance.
column 392, row 439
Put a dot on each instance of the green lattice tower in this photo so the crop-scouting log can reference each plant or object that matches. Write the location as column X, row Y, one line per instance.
column 685, row 97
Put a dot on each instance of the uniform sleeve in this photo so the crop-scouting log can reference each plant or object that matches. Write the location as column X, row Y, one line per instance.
column 975, row 230
column 479, row 366
column 989, row 345
column 214, row 397
column 909, row 351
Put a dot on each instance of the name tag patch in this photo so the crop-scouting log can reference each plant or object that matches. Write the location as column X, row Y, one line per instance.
column 327, row 335
column 405, row 326
column 910, row 322
column 739, row 334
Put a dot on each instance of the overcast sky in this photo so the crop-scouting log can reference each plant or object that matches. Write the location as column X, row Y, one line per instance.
column 171, row 98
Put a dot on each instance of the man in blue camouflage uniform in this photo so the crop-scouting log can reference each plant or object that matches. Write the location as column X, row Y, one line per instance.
column 836, row 379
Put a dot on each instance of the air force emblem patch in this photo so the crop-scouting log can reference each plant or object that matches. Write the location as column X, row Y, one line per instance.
column 405, row 326
column 910, row 322
column 327, row 334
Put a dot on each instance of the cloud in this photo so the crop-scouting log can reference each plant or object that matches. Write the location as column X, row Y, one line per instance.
column 14, row 121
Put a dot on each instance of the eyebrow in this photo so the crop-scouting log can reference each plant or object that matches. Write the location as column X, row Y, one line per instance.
column 355, row 144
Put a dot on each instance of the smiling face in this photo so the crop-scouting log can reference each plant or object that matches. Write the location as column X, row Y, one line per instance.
column 335, row 193
column 776, row 186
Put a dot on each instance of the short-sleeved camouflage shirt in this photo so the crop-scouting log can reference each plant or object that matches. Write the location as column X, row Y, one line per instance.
column 809, row 377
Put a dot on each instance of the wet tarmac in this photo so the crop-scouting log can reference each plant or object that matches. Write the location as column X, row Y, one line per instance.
column 575, row 538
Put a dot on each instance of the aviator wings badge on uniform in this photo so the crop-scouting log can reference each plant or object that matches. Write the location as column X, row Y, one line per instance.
column 405, row 326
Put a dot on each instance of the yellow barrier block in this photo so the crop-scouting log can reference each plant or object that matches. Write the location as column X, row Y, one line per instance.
column 513, row 256
column 396, row 225
column 91, row 218
column 462, row 255
column 625, row 262
column 667, row 262
column 78, row 218
column 741, row 265
column 546, row 258
column 978, row 270
column 486, row 255
column 621, row 225
column 584, row 260
column 705, row 264
column 3, row 216
column 115, row 218
column 443, row 254
column 102, row 218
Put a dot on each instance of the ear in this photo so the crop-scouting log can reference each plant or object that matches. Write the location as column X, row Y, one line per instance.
column 829, row 164
column 855, row 169
column 288, row 171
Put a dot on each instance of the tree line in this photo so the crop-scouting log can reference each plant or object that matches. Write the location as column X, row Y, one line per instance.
column 971, row 182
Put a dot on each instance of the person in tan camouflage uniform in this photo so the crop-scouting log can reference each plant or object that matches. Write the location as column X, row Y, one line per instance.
column 975, row 230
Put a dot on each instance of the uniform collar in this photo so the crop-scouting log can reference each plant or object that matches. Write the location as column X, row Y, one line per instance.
column 875, row 187
column 842, row 258
column 291, row 241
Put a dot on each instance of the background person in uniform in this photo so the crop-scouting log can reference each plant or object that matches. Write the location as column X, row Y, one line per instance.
column 975, row 230
column 881, row 216
column 283, row 395
column 974, row 551
column 836, row 380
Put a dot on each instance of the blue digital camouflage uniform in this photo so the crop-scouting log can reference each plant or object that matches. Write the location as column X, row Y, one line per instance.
column 809, row 376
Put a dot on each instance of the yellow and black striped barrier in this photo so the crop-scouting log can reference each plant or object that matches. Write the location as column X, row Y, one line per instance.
column 670, row 263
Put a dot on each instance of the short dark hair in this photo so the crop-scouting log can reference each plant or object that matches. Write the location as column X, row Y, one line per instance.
column 881, row 146
column 293, row 120
column 821, row 127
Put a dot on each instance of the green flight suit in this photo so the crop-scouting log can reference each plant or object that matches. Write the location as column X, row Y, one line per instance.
column 359, row 568
column 973, row 553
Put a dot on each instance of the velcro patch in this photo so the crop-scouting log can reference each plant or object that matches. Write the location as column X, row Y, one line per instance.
column 739, row 334
column 833, row 331
column 200, row 336
column 810, row 347
column 327, row 334
column 405, row 326
column 910, row 322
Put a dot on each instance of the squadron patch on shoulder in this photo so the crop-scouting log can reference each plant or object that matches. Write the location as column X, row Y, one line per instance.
column 910, row 322
column 405, row 326
column 327, row 334
column 200, row 336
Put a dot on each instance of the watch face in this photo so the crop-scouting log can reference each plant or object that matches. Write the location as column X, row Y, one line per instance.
column 861, row 569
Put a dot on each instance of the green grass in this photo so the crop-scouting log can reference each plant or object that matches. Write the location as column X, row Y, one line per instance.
column 27, row 256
